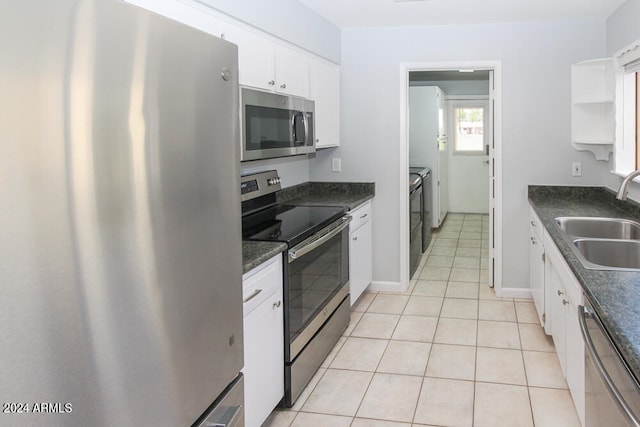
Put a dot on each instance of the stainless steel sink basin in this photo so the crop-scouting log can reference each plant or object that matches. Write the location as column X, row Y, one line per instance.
column 609, row 254
column 601, row 228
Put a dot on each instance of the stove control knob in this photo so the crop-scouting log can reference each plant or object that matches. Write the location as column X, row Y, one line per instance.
column 273, row 181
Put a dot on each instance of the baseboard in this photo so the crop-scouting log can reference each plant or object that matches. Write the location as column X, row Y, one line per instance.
column 380, row 286
column 523, row 293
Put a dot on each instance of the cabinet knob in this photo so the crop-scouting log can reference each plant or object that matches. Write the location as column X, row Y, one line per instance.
column 355, row 237
column 564, row 301
column 533, row 223
column 560, row 293
column 277, row 304
column 283, row 86
column 272, row 82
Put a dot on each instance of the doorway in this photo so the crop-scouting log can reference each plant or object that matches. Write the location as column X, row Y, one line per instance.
column 473, row 144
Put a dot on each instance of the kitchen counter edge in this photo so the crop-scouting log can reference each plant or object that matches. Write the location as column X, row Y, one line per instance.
column 255, row 253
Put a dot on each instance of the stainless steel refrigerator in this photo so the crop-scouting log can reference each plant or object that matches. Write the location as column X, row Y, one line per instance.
column 120, row 234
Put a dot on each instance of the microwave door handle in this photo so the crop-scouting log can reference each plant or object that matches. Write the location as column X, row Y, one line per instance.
column 294, row 137
column 305, row 122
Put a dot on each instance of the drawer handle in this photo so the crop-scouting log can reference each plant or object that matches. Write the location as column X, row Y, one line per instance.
column 253, row 295
column 364, row 215
column 277, row 304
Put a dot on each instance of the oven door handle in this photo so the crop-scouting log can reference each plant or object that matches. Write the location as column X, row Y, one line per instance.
column 318, row 239
column 626, row 411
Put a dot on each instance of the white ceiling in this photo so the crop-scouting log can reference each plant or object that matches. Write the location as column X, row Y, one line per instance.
column 375, row 13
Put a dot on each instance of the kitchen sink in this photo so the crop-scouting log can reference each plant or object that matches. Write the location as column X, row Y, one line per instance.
column 603, row 243
column 609, row 254
column 601, row 228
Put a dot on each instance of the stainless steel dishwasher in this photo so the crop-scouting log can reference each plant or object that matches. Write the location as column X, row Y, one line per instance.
column 612, row 394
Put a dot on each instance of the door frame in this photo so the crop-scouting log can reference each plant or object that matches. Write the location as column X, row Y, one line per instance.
column 495, row 252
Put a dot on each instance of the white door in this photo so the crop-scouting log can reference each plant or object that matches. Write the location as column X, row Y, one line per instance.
column 492, row 179
column 443, row 157
column 468, row 156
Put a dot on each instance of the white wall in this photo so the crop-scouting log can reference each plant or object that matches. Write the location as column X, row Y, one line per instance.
column 623, row 28
column 536, row 59
column 292, row 170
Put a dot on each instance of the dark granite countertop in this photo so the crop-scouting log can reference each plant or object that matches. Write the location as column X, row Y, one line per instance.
column 255, row 253
column 347, row 194
column 615, row 295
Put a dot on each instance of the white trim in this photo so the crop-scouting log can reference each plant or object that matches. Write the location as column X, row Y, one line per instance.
column 404, row 178
column 405, row 68
column 628, row 54
column 382, row 286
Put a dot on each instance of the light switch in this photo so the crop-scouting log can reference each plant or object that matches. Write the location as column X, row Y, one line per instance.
column 336, row 164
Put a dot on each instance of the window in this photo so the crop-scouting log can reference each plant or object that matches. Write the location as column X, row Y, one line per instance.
column 469, row 123
column 627, row 155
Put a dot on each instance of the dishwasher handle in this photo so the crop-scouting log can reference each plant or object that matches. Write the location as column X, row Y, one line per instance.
column 583, row 313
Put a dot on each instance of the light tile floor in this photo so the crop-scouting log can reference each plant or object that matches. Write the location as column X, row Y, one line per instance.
column 447, row 352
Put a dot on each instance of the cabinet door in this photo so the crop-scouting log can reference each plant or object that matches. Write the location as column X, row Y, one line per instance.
column 536, row 274
column 360, row 260
column 256, row 58
column 263, row 331
column 264, row 360
column 575, row 358
column 557, row 303
column 292, row 72
column 324, row 89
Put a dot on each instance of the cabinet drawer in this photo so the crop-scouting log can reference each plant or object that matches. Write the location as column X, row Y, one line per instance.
column 360, row 215
column 536, row 225
column 261, row 283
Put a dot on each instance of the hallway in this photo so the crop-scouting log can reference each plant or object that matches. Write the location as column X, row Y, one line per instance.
column 447, row 352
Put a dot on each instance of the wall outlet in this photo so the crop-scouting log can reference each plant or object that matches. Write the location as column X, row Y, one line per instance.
column 336, row 164
column 576, row 169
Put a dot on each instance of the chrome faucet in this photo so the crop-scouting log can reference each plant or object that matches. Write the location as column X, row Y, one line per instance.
column 624, row 187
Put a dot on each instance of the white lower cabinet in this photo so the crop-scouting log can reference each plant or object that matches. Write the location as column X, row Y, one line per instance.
column 263, row 340
column 536, row 270
column 564, row 294
column 360, row 251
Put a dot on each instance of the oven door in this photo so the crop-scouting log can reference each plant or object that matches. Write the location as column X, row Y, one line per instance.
column 317, row 282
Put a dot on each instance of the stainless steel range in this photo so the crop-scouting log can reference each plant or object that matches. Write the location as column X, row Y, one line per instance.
column 316, row 273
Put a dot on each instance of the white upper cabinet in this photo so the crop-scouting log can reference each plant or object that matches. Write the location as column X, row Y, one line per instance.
column 593, row 107
column 324, row 89
column 266, row 65
column 292, row 72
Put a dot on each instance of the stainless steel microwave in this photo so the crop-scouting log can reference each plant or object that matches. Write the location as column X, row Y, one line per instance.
column 275, row 125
